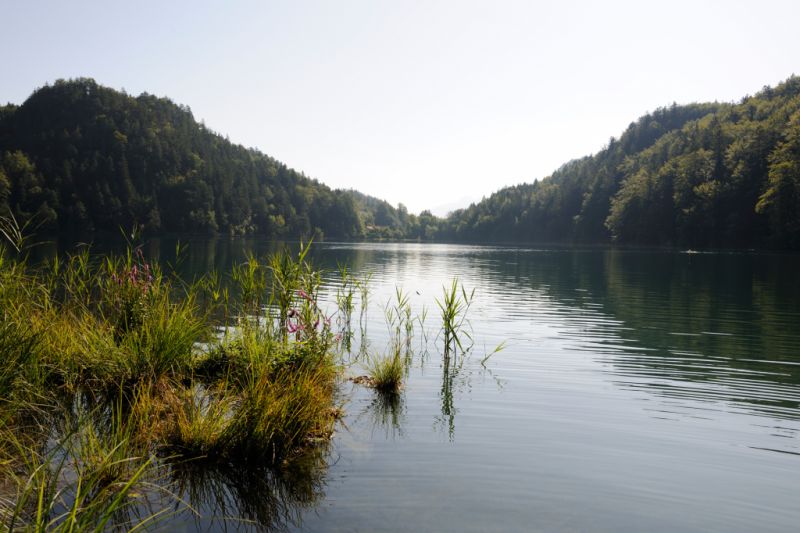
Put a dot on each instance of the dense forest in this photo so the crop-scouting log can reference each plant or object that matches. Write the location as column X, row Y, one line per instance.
column 77, row 156
column 700, row 175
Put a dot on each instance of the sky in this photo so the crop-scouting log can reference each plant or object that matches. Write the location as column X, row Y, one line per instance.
column 432, row 104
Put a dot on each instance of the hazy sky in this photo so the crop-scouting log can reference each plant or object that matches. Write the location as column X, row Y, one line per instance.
column 424, row 103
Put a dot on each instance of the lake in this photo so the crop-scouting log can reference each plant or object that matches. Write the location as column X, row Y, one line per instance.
column 637, row 391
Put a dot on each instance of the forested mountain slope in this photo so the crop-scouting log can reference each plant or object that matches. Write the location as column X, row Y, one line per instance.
column 701, row 175
column 79, row 156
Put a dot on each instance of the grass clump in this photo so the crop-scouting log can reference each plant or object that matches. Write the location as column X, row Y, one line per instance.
column 111, row 371
column 387, row 372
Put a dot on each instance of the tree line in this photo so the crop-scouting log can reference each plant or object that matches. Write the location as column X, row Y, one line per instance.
column 77, row 156
column 699, row 175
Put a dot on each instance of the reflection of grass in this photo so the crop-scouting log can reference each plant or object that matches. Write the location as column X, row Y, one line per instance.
column 254, row 492
column 387, row 411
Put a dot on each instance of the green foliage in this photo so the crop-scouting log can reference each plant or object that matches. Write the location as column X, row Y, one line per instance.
column 90, row 476
column 399, row 320
column 781, row 199
column 19, row 348
column 115, row 346
column 454, row 305
column 573, row 203
column 79, row 156
column 701, row 175
column 387, row 372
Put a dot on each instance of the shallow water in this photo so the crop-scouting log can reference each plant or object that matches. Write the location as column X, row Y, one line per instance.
column 638, row 391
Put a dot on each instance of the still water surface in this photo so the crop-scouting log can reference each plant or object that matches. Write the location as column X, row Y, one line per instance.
column 638, row 391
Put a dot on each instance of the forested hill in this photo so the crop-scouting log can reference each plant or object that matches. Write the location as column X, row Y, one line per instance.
column 79, row 156
column 701, row 175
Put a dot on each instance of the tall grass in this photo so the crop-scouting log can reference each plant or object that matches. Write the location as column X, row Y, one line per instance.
column 387, row 372
column 112, row 375
column 20, row 372
column 363, row 286
column 399, row 321
column 92, row 477
column 345, row 293
column 454, row 305
column 110, row 370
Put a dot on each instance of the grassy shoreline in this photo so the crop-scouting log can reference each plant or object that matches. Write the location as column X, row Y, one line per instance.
column 113, row 370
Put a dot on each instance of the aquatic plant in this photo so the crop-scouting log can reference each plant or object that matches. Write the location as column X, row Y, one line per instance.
column 289, row 276
column 111, row 370
column 19, row 372
column 344, row 296
column 454, row 305
column 399, row 321
column 386, row 372
column 345, row 292
column 250, row 277
column 363, row 286
column 92, row 477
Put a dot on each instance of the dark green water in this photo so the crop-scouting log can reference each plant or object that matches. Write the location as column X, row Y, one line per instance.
column 639, row 391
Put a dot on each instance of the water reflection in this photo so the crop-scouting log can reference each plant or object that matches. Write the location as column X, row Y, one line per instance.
column 655, row 355
column 385, row 412
column 237, row 496
column 453, row 379
column 717, row 327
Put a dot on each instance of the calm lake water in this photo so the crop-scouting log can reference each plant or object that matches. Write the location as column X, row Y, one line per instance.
column 638, row 391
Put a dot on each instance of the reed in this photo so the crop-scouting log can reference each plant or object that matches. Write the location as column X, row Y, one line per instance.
column 200, row 418
column 110, row 367
column 363, row 286
column 454, row 305
column 399, row 321
column 345, row 293
column 91, row 478
column 276, row 414
column 20, row 372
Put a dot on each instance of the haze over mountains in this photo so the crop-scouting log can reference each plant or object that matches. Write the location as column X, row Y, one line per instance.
column 78, row 156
